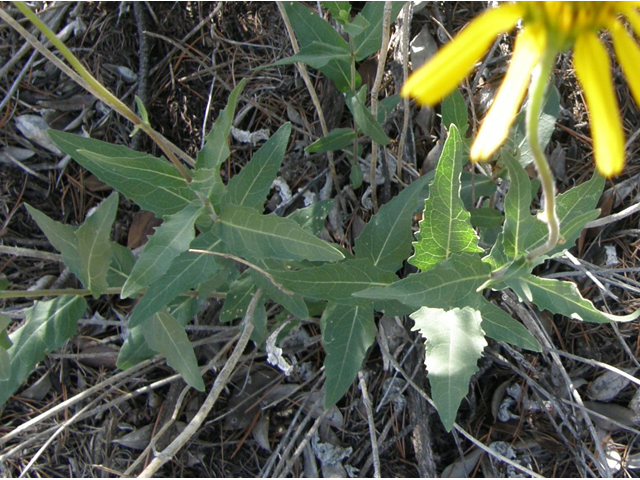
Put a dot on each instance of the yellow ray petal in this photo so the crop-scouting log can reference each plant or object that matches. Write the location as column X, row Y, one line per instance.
column 628, row 55
column 591, row 63
column 442, row 74
column 528, row 49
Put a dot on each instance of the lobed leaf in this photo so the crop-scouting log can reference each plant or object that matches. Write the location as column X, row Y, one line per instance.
column 499, row 325
column 445, row 228
column 455, row 341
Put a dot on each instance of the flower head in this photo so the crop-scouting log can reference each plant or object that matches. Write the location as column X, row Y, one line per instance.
column 548, row 28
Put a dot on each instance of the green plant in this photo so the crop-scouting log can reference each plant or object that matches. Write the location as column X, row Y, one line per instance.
column 207, row 224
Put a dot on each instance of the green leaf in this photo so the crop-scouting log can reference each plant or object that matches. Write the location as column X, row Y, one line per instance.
column 312, row 218
column 47, row 326
column 454, row 111
column 366, row 122
column 216, row 147
column 238, row 298
column 473, row 187
column 347, row 332
column 485, row 217
column 5, row 365
column 260, row 331
column 153, row 183
column 356, row 27
column 386, row 106
column 519, row 223
column 310, row 27
column 94, row 246
column 335, row 140
column 455, row 341
column 134, row 349
column 208, row 182
column 5, row 321
column 169, row 240
column 122, row 262
column 62, row 237
column 251, row 185
column 165, row 335
column 451, row 283
column 293, row 303
column 340, row 10
column 335, row 282
column 370, row 40
column 445, row 228
column 499, row 325
column 386, row 238
column 317, row 55
column 563, row 298
column 253, row 235
column 187, row 271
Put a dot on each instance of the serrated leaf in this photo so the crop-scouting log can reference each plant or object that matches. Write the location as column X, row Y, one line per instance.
column 187, row 271
column 251, row 185
column 47, row 326
column 312, row 218
column 153, row 183
column 347, row 332
column 216, row 147
column 335, row 282
column 370, row 40
column 334, row 140
column 445, row 228
column 169, row 240
column 317, row 55
column 451, row 283
column 62, row 237
column 366, row 122
column 165, row 335
column 238, row 298
column 253, row 235
column 293, row 303
column 310, row 27
column 563, row 298
column 455, row 341
column 94, row 245
column 386, row 238
column 499, row 325
column 454, row 111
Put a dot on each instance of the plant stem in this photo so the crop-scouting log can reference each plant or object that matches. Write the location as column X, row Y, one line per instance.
column 545, row 175
column 98, row 90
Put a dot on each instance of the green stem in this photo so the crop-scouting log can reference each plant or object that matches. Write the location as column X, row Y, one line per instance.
column 545, row 175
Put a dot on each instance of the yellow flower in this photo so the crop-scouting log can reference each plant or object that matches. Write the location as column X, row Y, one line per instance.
column 548, row 28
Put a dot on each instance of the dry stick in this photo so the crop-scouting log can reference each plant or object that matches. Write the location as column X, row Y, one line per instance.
column 375, row 90
column 68, row 403
column 302, row 68
column 371, row 423
column 614, row 217
column 531, row 322
column 27, row 252
column 221, row 381
column 406, row 108
column 458, row 428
